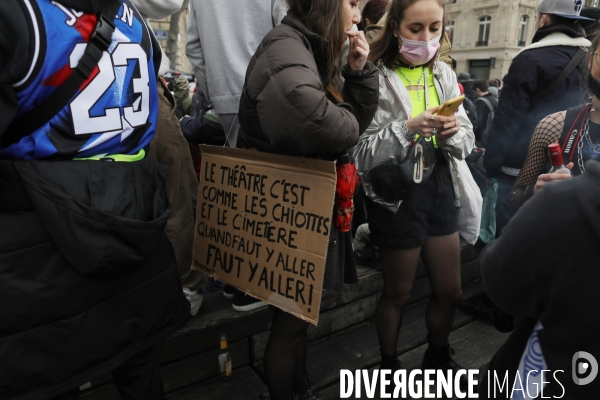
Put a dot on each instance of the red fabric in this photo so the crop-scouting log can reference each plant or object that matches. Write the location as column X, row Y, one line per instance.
column 347, row 180
column 461, row 88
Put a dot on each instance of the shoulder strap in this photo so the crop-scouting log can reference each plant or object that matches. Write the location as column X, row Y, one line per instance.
column 487, row 102
column 571, row 132
column 46, row 110
column 543, row 92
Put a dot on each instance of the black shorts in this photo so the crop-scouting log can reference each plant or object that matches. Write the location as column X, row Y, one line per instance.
column 427, row 210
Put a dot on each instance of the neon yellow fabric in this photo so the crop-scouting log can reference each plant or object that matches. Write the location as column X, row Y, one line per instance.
column 118, row 157
column 417, row 93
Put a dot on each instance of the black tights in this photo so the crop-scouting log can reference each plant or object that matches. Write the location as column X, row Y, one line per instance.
column 285, row 355
column 441, row 256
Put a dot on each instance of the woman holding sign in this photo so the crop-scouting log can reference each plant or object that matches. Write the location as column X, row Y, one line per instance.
column 415, row 150
column 292, row 104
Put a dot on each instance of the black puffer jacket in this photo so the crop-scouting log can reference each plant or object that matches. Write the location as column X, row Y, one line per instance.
column 87, row 276
column 284, row 109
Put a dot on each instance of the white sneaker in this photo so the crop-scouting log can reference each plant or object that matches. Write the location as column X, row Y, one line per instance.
column 195, row 299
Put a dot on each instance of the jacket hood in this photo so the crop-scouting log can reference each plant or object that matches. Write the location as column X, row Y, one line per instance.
column 318, row 44
column 116, row 211
column 588, row 195
column 570, row 29
column 557, row 39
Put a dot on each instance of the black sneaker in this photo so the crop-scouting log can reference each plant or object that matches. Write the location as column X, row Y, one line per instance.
column 368, row 255
column 503, row 322
column 479, row 306
column 228, row 291
column 391, row 363
column 441, row 359
column 242, row 302
column 303, row 390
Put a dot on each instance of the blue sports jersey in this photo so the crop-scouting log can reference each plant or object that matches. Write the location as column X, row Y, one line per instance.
column 116, row 109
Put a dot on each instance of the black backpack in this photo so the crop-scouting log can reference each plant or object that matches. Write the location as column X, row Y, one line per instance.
column 471, row 111
column 484, row 132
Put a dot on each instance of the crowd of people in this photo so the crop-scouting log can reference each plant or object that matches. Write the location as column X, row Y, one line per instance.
column 97, row 235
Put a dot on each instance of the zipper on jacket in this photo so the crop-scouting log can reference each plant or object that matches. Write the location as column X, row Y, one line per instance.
column 441, row 89
column 396, row 94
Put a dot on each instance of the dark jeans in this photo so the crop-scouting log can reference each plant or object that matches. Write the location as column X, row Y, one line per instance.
column 138, row 378
column 504, row 208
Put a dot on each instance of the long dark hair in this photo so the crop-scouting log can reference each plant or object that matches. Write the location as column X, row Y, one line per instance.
column 374, row 10
column 385, row 47
column 323, row 17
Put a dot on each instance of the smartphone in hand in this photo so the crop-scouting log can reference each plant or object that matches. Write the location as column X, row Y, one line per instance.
column 451, row 106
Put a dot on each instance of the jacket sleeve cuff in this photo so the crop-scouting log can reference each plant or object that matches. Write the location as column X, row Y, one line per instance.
column 367, row 70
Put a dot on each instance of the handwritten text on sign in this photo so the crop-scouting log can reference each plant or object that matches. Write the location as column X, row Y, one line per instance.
column 263, row 224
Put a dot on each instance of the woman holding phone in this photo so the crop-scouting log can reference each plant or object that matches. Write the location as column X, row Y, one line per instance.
column 412, row 85
column 291, row 104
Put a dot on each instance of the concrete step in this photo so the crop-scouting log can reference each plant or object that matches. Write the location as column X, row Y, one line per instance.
column 188, row 358
column 475, row 344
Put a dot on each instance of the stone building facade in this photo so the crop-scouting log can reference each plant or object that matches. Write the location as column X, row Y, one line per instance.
column 161, row 30
column 486, row 34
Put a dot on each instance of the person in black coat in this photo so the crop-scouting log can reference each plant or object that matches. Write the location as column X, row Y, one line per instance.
column 556, row 41
column 88, row 279
column 464, row 78
column 544, row 270
column 484, row 100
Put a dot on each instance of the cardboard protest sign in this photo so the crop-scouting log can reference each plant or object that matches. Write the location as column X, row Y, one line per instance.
column 263, row 223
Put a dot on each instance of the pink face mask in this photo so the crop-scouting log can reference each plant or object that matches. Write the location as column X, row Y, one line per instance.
column 418, row 52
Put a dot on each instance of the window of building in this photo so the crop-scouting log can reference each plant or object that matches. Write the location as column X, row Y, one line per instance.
column 484, row 31
column 450, row 31
column 522, row 30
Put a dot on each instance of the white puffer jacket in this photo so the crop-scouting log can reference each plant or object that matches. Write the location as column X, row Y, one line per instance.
column 384, row 141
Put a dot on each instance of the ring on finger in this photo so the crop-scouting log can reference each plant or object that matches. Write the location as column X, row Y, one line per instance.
column 433, row 132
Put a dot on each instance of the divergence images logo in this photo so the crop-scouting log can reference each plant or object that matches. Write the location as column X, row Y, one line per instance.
column 584, row 364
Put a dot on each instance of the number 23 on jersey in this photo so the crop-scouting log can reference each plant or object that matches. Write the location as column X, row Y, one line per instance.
column 135, row 114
